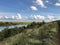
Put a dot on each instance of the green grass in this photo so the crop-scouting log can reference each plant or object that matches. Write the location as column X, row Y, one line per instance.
column 13, row 23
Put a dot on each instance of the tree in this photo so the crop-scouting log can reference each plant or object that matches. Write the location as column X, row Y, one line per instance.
column 1, row 36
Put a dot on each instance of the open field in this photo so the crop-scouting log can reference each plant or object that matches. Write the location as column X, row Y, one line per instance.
column 13, row 23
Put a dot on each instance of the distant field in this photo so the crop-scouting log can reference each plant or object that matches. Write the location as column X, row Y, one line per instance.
column 13, row 23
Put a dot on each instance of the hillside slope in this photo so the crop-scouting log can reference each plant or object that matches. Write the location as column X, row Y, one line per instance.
column 43, row 35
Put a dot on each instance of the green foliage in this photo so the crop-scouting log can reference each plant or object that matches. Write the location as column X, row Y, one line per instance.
column 1, row 36
column 35, row 24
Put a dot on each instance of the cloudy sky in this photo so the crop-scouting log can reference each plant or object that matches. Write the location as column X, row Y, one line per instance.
column 30, row 8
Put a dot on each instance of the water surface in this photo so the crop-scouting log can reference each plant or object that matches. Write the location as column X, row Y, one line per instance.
column 12, row 26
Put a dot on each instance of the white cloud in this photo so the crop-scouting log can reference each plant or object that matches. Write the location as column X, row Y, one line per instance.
column 47, row 1
column 50, row 17
column 18, row 16
column 33, row 8
column 40, row 17
column 40, row 3
column 59, row 0
column 6, row 17
column 1, row 17
column 13, row 17
column 57, row 4
column 37, row 17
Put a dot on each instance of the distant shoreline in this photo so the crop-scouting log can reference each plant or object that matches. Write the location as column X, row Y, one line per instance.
column 13, row 23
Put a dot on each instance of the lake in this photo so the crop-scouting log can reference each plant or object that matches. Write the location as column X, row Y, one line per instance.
column 12, row 26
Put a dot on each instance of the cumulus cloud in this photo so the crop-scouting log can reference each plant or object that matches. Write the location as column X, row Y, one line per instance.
column 40, row 3
column 47, row 1
column 33, row 8
column 18, row 16
column 40, row 17
column 37, row 17
column 6, row 17
column 57, row 4
column 59, row 0
column 13, row 17
column 50, row 17
column 1, row 17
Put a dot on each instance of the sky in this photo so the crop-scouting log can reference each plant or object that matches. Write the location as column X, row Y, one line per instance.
column 31, row 8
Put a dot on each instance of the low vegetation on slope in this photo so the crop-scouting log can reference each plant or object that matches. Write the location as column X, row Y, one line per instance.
column 34, row 34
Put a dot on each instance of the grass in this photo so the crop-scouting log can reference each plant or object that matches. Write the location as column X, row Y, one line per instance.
column 32, row 36
column 13, row 23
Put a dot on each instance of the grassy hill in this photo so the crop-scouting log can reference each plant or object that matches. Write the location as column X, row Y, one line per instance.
column 34, row 34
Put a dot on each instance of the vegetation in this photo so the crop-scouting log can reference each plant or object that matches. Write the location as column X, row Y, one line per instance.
column 13, row 23
column 36, row 33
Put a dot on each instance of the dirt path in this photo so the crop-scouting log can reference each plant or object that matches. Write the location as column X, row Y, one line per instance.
column 2, row 43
